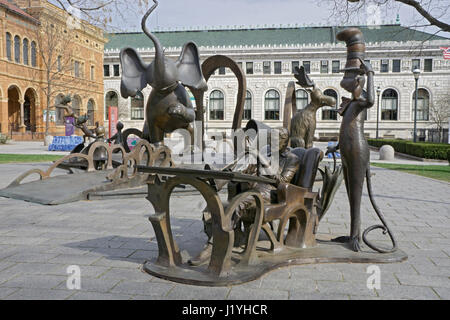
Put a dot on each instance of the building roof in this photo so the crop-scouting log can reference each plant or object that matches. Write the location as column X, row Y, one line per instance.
column 265, row 36
column 15, row 9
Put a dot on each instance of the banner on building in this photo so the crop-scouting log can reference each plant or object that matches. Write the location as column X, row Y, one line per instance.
column 52, row 114
column 113, row 114
column 446, row 52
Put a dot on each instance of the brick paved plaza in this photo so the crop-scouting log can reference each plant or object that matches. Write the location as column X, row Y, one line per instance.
column 110, row 240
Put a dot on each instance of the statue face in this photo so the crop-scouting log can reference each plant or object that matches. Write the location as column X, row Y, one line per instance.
column 283, row 139
column 353, row 82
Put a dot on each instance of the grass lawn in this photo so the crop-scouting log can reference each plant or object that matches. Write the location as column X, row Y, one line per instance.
column 430, row 171
column 17, row 158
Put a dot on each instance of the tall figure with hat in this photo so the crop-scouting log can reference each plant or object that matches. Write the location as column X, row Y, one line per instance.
column 352, row 142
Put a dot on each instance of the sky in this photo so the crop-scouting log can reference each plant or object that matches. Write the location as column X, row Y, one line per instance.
column 172, row 14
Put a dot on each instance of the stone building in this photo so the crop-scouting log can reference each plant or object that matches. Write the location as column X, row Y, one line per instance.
column 268, row 57
column 23, row 102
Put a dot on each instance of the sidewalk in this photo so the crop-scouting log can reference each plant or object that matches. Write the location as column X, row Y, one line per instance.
column 27, row 147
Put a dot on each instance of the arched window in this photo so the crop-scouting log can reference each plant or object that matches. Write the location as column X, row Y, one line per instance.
column 301, row 99
column 91, row 112
column 8, row 46
column 216, row 105
column 272, row 105
column 389, row 105
column 59, row 111
column 76, row 105
column 17, row 49
column 137, row 106
column 423, row 105
column 25, row 52
column 330, row 113
column 111, row 100
column 248, row 106
column 33, row 54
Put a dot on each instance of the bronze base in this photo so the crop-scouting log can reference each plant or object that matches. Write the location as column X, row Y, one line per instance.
column 324, row 252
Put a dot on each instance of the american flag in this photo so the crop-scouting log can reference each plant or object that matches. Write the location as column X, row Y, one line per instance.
column 446, row 52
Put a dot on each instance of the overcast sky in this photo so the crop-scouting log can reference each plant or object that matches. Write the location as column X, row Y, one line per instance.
column 214, row 13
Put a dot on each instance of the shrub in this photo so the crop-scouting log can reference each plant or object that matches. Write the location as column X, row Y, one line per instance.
column 448, row 156
column 425, row 150
column 3, row 139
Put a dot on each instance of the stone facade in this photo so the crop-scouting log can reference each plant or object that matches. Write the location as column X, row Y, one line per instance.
column 22, row 99
column 434, row 79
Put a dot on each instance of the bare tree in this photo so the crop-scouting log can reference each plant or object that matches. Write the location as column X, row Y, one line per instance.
column 57, row 70
column 440, row 113
column 432, row 12
column 102, row 13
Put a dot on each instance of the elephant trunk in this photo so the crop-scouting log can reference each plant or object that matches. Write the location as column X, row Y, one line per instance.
column 159, row 52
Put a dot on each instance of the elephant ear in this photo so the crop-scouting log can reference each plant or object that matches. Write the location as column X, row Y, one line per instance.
column 135, row 73
column 189, row 69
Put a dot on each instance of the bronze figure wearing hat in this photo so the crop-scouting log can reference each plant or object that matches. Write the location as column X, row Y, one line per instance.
column 352, row 141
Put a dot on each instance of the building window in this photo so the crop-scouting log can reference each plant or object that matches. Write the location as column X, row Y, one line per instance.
column 389, row 105
column 8, row 46
column 33, row 54
column 324, row 66
column 423, row 105
column 91, row 112
column 249, row 67
column 76, row 69
column 277, row 67
column 92, row 73
column 295, row 64
column 59, row 64
column 415, row 64
column 330, row 113
column 111, row 100
column 248, row 107
column 266, row 67
column 272, row 105
column 216, row 105
column 396, row 65
column 307, row 66
column 384, row 65
column 17, row 49
column 26, row 60
column 106, row 72
column 222, row 70
column 428, row 65
column 336, row 66
column 137, row 106
column 301, row 99
column 116, row 70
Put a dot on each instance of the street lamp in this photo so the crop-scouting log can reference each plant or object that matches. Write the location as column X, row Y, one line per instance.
column 378, row 107
column 416, row 73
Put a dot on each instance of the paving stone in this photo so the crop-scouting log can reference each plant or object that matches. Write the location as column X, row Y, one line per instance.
column 94, row 285
column 40, row 294
column 443, row 293
column 34, row 281
column 81, row 295
column 127, row 274
column 185, row 292
column 424, row 280
column 143, row 288
column 406, row 292
column 350, row 288
column 75, row 259
column 5, row 292
column 301, row 295
column 237, row 293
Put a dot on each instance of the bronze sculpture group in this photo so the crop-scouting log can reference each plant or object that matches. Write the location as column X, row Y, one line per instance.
column 283, row 205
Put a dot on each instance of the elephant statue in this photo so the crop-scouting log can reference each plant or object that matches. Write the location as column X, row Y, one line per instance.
column 169, row 106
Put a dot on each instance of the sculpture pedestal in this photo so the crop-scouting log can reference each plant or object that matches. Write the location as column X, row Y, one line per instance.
column 324, row 252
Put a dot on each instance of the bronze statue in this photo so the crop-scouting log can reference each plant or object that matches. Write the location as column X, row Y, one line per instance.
column 352, row 142
column 169, row 106
column 303, row 123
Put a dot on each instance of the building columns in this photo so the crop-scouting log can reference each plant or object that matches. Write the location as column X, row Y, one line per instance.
column 4, row 115
column 22, row 127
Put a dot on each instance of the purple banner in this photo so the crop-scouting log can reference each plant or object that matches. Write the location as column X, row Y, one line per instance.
column 70, row 128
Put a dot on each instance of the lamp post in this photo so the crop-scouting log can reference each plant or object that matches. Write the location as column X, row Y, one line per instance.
column 378, row 107
column 416, row 73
